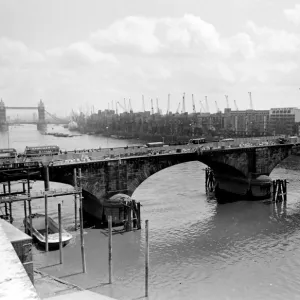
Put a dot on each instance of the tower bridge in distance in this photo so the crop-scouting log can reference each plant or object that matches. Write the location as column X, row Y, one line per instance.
column 41, row 120
column 240, row 172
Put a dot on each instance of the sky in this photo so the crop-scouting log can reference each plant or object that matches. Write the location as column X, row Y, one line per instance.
column 88, row 55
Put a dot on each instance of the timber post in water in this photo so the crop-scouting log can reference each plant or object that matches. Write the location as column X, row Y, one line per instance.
column 279, row 190
column 209, row 180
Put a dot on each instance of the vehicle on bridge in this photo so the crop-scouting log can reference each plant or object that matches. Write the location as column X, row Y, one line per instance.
column 8, row 153
column 41, row 151
column 155, row 144
column 197, row 141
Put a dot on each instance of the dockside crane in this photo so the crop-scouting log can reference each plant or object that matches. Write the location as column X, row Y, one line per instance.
column 116, row 104
column 251, row 104
column 129, row 106
column 152, row 109
column 124, row 109
column 125, row 105
column 227, row 102
column 202, row 108
column 168, row 108
column 143, row 101
column 178, row 107
column 217, row 107
column 157, row 107
column 236, row 107
column 193, row 102
column 183, row 104
column 206, row 103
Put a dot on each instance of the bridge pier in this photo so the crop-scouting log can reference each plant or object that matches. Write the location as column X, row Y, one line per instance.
column 230, row 188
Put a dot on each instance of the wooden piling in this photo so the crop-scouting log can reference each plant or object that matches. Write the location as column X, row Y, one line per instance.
column 10, row 213
column 6, row 209
column 75, row 197
column 60, row 234
column 146, row 257
column 25, row 216
column 82, row 241
column 75, row 210
column 139, row 215
column 129, row 210
column 9, row 187
column 81, row 224
column 46, row 178
column 4, row 188
column 109, row 249
column 24, row 187
column 285, row 190
column 134, row 215
column 30, row 216
column 46, row 223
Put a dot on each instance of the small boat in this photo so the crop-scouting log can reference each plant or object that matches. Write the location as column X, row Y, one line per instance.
column 38, row 231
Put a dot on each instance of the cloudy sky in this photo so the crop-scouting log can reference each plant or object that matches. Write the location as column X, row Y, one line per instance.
column 79, row 54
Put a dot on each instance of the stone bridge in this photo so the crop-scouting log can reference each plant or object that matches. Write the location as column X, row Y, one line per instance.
column 239, row 172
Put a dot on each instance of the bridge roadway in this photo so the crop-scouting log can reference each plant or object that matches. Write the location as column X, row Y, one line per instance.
column 238, row 168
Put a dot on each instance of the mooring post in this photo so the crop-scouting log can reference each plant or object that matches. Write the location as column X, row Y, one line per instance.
column 46, row 178
column 285, row 190
column 28, row 183
column 30, row 216
column 6, row 209
column 25, row 216
column 129, row 216
column 110, row 249
column 9, row 187
column 4, row 188
column 206, row 177
column 75, row 197
column 24, row 187
column 82, row 241
column 274, row 190
column 60, row 234
column 10, row 212
column 146, row 256
column 139, row 215
column 46, row 223
column 81, row 224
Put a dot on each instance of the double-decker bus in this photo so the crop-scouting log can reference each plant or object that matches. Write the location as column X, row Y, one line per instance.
column 197, row 141
column 8, row 153
column 41, row 151
column 155, row 144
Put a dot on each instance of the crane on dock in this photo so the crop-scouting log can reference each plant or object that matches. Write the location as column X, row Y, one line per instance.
column 193, row 102
column 202, row 108
column 183, row 104
column 124, row 109
column 152, row 109
column 129, row 106
column 178, row 107
column 217, row 107
column 143, row 102
column 227, row 102
column 157, row 107
column 236, row 107
column 168, row 108
column 251, row 104
column 206, row 103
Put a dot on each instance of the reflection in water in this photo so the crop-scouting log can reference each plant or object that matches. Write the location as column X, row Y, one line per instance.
column 198, row 249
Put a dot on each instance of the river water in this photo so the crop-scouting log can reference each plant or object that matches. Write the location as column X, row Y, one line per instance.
column 198, row 249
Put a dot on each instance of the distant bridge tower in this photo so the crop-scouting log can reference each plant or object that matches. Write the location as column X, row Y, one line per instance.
column 3, row 123
column 41, row 124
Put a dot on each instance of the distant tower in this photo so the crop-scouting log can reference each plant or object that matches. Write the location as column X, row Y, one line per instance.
column 3, row 123
column 41, row 124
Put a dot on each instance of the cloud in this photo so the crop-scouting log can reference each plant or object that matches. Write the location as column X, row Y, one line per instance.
column 132, row 31
column 16, row 53
column 272, row 40
column 293, row 15
column 80, row 54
